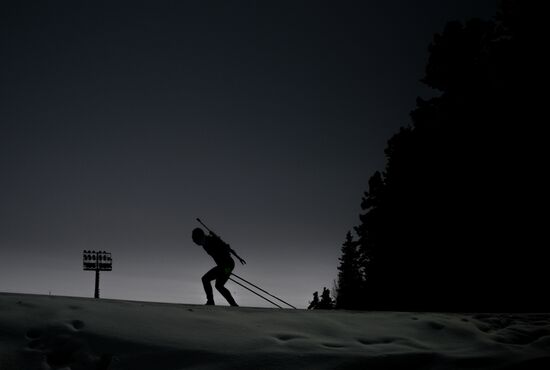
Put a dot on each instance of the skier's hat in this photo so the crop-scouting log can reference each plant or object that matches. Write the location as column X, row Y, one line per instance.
column 198, row 235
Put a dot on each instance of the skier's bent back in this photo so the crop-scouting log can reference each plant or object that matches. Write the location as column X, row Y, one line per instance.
column 221, row 253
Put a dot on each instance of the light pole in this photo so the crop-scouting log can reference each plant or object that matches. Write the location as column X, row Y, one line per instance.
column 97, row 261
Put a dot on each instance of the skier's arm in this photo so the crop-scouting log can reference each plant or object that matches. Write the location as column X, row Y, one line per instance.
column 229, row 247
column 236, row 255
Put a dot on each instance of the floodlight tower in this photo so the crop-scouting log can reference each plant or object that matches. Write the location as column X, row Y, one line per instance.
column 97, row 261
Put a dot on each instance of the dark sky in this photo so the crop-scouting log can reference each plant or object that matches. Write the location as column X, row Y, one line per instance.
column 122, row 122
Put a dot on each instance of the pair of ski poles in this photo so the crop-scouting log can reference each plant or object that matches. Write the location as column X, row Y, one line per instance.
column 248, row 282
column 258, row 294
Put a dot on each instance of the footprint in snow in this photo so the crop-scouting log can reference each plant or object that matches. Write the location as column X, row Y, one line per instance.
column 63, row 346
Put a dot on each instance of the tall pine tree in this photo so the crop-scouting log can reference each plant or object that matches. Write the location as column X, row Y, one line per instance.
column 451, row 222
column 350, row 282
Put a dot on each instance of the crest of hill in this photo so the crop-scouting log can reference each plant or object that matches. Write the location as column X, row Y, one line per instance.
column 49, row 332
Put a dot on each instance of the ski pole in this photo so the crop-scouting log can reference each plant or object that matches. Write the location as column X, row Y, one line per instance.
column 259, row 295
column 257, row 287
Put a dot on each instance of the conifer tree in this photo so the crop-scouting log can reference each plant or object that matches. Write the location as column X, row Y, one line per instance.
column 327, row 302
column 313, row 304
column 350, row 283
column 442, row 224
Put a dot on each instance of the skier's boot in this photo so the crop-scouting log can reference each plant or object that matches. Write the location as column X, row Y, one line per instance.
column 227, row 295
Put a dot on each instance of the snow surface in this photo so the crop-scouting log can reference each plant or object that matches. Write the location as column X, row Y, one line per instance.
column 49, row 332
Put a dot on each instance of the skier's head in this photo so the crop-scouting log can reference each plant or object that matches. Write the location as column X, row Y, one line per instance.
column 198, row 236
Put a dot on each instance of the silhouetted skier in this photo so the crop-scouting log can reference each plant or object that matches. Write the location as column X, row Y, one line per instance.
column 221, row 253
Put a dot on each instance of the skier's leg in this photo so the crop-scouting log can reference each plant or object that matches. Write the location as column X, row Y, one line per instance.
column 206, row 279
column 220, row 282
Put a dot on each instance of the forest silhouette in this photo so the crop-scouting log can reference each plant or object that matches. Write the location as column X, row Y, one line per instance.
column 452, row 223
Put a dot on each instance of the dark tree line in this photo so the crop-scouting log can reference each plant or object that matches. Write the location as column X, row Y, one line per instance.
column 454, row 221
column 325, row 303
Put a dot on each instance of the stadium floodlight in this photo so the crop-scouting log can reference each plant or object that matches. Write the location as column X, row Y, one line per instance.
column 97, row 261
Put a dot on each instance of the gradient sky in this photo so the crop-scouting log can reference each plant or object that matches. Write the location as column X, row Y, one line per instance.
column 121, row 122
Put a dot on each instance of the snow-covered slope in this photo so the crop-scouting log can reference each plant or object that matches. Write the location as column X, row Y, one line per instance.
column 43, row 332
